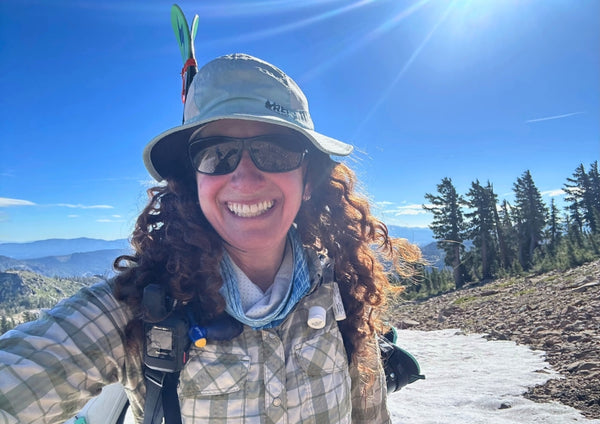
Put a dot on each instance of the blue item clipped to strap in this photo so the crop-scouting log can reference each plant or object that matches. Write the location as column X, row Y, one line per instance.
column 223, row 327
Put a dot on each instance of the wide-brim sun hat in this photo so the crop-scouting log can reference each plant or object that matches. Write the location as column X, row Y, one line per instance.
column 236, row 86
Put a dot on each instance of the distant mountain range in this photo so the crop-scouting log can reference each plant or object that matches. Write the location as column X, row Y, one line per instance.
column 420, row 236
column 86, row 264
column 89, row 257
column 59, row 247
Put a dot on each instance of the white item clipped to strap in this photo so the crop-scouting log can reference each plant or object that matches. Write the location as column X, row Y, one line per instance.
column 338, row 305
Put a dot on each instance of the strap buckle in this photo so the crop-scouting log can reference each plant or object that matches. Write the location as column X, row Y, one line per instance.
column 155, row 377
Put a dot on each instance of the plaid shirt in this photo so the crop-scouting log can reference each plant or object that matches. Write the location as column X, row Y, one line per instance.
column 288, row 374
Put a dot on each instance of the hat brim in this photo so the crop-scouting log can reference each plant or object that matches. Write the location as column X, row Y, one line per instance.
column 164, row 156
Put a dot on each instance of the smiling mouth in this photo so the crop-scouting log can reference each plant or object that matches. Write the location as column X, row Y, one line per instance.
column 250, row 211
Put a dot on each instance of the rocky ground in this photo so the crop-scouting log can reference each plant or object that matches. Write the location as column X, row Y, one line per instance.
column 557, row 312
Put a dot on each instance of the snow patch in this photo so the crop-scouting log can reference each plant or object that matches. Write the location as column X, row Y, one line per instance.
column 469, row 378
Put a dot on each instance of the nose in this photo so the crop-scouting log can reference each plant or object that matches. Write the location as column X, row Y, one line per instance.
column 246, row 173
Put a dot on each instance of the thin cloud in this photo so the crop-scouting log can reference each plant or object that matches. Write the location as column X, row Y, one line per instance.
column 152, row 183
column 412, row 209
column 401, row 212
column 104, row 220
column 80, row 206
column 550, row 118
column 6, row 202
column 553, row 193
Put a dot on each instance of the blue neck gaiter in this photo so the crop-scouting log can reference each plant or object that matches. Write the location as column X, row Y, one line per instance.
column 300, row 285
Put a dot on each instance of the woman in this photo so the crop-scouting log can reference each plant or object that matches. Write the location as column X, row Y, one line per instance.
column 255, row 221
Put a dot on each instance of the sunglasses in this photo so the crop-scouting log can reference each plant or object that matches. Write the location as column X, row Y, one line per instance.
column 220, row 155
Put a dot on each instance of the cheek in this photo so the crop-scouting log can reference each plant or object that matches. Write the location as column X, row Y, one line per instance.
column 293, row 186
column 207, row 188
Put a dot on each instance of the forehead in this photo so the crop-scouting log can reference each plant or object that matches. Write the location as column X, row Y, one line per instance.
column 241, row 128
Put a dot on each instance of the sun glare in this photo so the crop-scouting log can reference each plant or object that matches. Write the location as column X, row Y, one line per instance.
column 297, row 24
column 471, row 16
column 386, row 26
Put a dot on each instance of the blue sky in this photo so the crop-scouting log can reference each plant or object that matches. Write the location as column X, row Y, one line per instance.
column 466, row 89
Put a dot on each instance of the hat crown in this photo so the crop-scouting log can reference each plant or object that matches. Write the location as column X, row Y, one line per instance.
column 242, row 87
column 240, row 84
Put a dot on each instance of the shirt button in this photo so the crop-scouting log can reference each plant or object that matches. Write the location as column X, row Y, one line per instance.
column 277, row 402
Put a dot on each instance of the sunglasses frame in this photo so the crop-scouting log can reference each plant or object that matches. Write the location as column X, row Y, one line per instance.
column 246, row 143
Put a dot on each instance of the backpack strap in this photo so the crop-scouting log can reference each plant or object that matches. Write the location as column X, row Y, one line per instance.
column 153, row 407
column 170, row 400
column 166, row 345
column 161, row 397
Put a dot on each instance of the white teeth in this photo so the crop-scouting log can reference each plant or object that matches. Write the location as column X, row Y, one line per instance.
column 249, row 211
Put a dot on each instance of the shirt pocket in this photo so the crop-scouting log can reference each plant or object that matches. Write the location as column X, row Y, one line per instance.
column 214, row 373
column 322, row 355
column 323, row 380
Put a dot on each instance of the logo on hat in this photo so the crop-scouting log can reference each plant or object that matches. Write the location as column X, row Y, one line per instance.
column 298, row 115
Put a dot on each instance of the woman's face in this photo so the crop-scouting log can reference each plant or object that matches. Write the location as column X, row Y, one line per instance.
column 251, row 210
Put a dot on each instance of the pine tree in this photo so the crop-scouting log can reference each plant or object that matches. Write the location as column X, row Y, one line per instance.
column 507, row 236
column 4, row 326
column 574, row 225
column 530, row 213
column 583, row 192
column 448, row 227
column 594, row 176
column 580, row 192
column 29, row 316
column 481, row 228
column 554, row 228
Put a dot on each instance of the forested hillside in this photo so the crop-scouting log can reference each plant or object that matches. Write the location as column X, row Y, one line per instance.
column 86, row 264
column 483, row 239
column 24, row 293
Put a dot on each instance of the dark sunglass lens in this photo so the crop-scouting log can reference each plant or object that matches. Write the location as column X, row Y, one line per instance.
column 290, row 142
column 273, row 157
column 218, row 159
